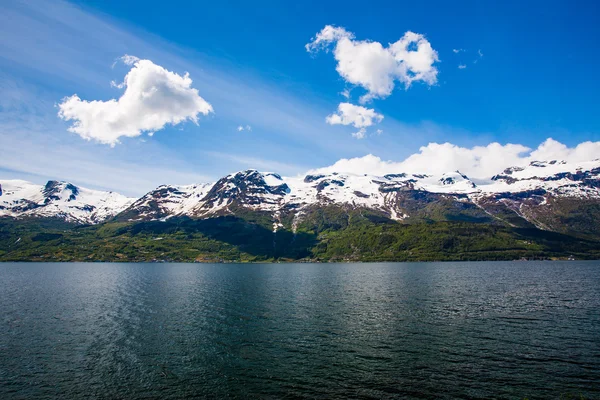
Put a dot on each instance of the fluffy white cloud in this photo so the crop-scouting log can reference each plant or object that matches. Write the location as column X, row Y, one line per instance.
column 462, row 66
column 554, row 150
column 242, row 128
column 357, row 116
column 328, row 35
column 374, row 67
column 479, row 162
column 153, row 98
column 360, row 134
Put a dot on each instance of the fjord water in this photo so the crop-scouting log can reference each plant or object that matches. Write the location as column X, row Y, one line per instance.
column 398, row 330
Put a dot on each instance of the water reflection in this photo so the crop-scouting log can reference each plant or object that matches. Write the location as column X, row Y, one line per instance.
column 426, row 330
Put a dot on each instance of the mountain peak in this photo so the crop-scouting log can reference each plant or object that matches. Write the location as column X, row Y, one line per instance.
column 57, row 190
column 59, row 199
column 270, row 192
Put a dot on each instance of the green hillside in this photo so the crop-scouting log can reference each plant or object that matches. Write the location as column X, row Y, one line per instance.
column 323, row 234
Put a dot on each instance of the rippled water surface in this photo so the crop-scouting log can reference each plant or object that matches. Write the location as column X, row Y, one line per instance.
column 423, row 330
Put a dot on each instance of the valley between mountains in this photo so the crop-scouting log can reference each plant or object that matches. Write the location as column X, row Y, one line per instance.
column 547, row 209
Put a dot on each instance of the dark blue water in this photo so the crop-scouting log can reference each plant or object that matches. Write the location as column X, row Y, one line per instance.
column 423, row 330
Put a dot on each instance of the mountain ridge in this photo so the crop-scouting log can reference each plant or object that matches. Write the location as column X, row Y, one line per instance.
column 518, row 196
column 59, row 199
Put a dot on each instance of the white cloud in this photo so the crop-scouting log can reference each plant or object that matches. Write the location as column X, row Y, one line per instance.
column 117, row 85
column 462, row 66
column 456, row 51
column 357, row 116
column 554, row 150
column 379, row 132
column 374, row 67
column 153, row 98
column 129, row 60
column 360, row 134
column 479, row 162
column 345, row 93
column 328, row 35
column 242, row 128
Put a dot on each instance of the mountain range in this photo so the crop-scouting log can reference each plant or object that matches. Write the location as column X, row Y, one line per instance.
column 543, row 198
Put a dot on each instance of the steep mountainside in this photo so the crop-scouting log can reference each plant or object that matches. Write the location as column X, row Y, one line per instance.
column 520, row 197
column 542, row 194
column 545, row 209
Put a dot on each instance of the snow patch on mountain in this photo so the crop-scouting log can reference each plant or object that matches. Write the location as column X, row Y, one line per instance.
column 578, row 180
column 168, row 201
column 59, row 199
column 395, row 194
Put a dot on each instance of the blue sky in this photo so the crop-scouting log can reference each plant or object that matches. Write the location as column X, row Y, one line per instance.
column 529, row 75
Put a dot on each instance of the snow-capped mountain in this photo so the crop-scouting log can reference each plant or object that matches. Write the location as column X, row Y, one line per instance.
column 399, row 196
column 59, row 199
column 580, row 180
column 519, row 196
column 270, row 192
column 167, row 201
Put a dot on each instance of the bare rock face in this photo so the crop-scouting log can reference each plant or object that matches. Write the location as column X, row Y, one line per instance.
column 247, row 187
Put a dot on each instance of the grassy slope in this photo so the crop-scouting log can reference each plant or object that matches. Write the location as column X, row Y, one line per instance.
column 363, row 235
column 327, row 234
